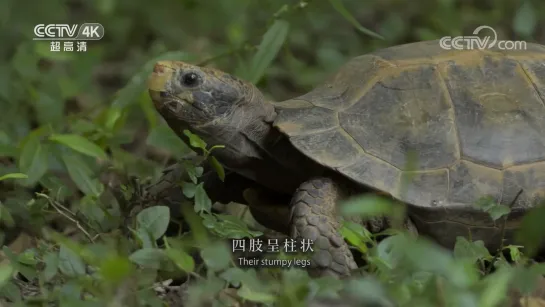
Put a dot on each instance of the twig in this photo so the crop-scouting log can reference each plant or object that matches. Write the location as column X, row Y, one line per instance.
column 502, row 231
column 505, row 219
column 70, row 218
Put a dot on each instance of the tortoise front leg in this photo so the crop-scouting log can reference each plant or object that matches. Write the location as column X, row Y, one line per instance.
column 314, row 217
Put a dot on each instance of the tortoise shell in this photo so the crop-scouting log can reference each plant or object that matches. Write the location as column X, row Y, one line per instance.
column 462, row 125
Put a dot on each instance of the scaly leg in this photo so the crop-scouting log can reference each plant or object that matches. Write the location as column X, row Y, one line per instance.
column 314, row 217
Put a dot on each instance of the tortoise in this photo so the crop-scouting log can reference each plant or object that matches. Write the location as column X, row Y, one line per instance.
column 472, row 120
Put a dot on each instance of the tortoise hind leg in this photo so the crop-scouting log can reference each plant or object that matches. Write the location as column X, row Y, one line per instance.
column 313, row 217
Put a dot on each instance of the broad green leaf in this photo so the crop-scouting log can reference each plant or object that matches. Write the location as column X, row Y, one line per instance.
column 12, row 291
column 235, row 276
column 145, row 237
column 530, row 233
column 195, row 141
column 27, row 257
column 268, row 49
column 473, row 251
column 386, row 255
column 216, row 256
column 228, row 226
column 161, row 136
column 51, row 265
column 498, row 212
column 155, row 220
column 202, row 201
column 497, row 287
column 182, row 259
column 13, row 176
column 137, row 83
column 356, row 235
column 372, row 206
column 33, row 160
column 369, row 291
column 204, row 290
column 339, row 6
column 193, row 171
column 198, row 231
column 70, row 263
column 149, row 110
column 115, row 269
column 527, row 279
column 525, row 20
column 83, row 177
column 80, row 144
column 247, row 293
column 148, row 257
column 189, row 189
column 6, row 272
column 218, row 167
column 461, row 273
column 514, row 252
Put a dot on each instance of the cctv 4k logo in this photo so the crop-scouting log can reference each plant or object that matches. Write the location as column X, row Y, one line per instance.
column 57, row 32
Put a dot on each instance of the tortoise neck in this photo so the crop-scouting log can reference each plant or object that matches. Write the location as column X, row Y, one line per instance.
column 260, row 152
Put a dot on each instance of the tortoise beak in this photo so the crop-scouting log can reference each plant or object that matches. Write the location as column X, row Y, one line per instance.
column 162, row 72
column 158, row 81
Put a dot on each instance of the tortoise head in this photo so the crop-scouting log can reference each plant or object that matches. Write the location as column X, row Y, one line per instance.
column 209, row 102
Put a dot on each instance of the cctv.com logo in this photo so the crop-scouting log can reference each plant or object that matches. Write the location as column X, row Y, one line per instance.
column 476, row 42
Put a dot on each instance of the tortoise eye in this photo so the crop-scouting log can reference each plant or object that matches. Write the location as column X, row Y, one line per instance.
column 190, row 79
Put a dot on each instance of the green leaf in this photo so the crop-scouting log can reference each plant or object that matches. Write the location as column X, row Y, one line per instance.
column 369, row 291
column 155, row 220
column 145, row 238
column 530, row 233
column 116, row 269
column 356, row 235
column 514, row 252
column 182, row 259
column 51, row 265
column 247, row 293
column 82, row 176
column 12, row 292
column 148, row 257
column 339, row 6
column 525, row 20
column 80, row 144
column 237, row 277
column 13, row 176
column 218, row 167
column 228, row 226
column 372, row 206
column 202, row 201
column 473, row 251
column 189, row 189
column 461, row 273
column 216, row 256
column 27, row 257
column 70, row 263
column 498, row 212
column 161, row 136
column 193, row 171
column 268, row 49
column 33, row 160
column 497, row 287
column 195, row 141
column 6, row 271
